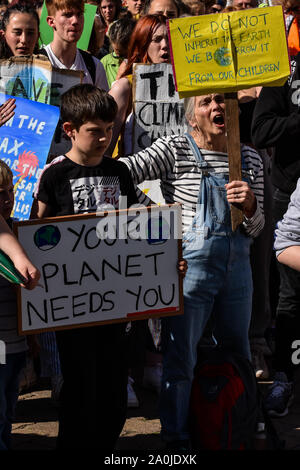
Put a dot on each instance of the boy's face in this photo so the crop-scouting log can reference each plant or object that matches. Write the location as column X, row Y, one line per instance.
column 67, row 24
column 6, row 200
column 92, row 138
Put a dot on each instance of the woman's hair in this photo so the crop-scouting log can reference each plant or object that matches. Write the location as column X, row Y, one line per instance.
column 5, row 51
column 86, row 102
column 189, row 108
column 141, row 39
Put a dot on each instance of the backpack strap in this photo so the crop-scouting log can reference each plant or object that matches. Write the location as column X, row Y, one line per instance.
column 89, row 63
column 88, row 60
column 43, row 51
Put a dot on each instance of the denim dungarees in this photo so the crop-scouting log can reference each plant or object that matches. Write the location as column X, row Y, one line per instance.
column 218, row 282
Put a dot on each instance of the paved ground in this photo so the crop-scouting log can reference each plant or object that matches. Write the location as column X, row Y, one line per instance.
column 36, row 424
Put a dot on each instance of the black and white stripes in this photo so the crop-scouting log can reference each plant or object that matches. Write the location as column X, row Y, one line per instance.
column 171, row 160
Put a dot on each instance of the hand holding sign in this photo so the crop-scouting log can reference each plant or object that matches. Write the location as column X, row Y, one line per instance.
column 225, row 53
column 7, row 110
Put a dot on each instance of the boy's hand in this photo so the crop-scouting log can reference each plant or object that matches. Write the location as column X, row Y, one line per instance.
column 182, row 267
column 7, row 110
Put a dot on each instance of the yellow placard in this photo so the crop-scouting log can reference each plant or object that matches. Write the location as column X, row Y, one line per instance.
column 229, row 51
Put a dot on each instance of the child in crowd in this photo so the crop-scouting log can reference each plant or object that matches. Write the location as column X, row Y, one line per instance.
column 119, row 34
column 15, row 345
column 93, row 359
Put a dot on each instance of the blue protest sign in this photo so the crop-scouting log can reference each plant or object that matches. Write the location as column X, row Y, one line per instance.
column 24, row 145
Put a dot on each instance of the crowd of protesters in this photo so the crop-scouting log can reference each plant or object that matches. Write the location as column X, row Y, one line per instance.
column 254, row 310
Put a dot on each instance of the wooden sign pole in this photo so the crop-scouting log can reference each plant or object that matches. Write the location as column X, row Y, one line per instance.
column 233, row 150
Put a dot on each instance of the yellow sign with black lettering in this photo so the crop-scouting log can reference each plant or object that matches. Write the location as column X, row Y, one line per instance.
column 229, row 51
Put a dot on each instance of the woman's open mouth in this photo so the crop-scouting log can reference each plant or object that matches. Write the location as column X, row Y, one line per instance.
column 218, row 120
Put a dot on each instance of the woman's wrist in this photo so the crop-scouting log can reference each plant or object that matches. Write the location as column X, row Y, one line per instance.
column 250, row 211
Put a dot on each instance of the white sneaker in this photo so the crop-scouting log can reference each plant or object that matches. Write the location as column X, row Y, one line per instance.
column 132, row 401
column 152, row 377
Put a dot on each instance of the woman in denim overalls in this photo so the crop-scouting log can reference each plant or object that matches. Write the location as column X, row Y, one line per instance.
column 218, row 279
column 218, row 282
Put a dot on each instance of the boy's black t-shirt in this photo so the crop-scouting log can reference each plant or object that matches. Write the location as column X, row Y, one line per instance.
column 69, row 188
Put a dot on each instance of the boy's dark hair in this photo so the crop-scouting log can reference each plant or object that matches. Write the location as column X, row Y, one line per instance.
column 120, row 31
column 86, row 102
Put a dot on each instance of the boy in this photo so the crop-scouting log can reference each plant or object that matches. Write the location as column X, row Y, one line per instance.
column 15, row 345
column 93, row 359
column 66, row 18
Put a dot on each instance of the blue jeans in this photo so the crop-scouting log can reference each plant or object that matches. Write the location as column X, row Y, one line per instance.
column 218, row 284
column 9, row 391
column 223, row 291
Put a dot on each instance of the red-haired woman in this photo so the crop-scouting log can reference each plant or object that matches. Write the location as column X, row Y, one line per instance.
column 148, row 45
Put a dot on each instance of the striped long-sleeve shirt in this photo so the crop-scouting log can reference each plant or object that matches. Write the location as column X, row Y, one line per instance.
column 171, row 160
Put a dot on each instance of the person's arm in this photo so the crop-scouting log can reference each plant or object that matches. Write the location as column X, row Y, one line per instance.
column 291, row 257
column 7, row 110
column 43, row 202
column 272, row 118
column 12, row 248
column 153, row 163
column 121, row 69
column 121, row 92
column 251, row 194
column 39, row 210
column 239, row 192
column 287, row 233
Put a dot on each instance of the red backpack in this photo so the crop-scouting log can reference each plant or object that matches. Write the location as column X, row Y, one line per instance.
column 224, row 403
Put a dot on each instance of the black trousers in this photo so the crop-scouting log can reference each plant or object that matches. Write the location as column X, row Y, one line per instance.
column 288, row 308
column 94, row 363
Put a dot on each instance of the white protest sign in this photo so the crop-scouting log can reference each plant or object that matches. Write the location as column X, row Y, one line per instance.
column 88, row 278
column 34, row 78
column 157, row 111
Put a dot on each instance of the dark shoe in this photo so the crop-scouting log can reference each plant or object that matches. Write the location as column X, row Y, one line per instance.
column 279, row 397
